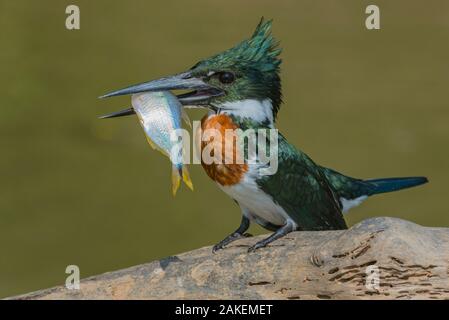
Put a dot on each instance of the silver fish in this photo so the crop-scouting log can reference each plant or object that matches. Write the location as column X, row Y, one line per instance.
column 160, row 115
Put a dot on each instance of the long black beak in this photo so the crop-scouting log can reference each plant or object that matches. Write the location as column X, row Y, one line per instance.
column 201, row 94
column 121, row 113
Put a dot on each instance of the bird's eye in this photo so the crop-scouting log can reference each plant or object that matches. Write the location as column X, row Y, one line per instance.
column 226, row 77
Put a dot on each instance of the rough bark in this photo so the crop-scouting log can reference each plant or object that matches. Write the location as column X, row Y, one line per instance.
column 412, row 263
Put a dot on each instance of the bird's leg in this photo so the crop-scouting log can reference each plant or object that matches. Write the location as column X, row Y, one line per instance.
column 237, row 234
column 282, row 231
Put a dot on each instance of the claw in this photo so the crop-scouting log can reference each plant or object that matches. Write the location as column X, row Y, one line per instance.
column 235, row 236
column 216, row 248
column 287, row 228
column 258, row 245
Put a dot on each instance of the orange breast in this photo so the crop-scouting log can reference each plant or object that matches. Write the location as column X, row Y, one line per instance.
column 222, row 148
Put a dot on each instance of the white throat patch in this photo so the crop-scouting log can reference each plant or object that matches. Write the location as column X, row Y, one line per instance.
column 250, row 108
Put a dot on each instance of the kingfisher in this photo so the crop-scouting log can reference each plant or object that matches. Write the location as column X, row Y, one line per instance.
column 241, row 88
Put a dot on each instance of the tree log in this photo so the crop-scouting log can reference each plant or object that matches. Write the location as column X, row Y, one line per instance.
column 379, row 258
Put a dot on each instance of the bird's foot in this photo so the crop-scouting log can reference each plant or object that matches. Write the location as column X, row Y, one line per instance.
column 258, row 245
column 287, row 228
column 231, row 238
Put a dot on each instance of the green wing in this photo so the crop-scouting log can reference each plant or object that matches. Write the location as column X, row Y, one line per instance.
column 302, row 190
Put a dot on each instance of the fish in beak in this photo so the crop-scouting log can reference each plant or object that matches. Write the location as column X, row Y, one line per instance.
column 200, row 95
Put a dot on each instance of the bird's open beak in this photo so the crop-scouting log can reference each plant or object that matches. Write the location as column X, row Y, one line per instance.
column 199, row 96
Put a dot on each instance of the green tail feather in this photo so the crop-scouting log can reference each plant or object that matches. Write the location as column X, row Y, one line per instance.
column 352, row 188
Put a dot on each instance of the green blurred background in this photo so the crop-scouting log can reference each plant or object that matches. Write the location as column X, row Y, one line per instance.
column 78, row 190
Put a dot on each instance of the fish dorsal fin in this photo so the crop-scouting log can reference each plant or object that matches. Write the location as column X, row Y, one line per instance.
column 155, row 147
column 150, row 142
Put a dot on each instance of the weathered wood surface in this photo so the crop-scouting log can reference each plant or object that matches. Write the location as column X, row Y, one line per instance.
column 413, row 263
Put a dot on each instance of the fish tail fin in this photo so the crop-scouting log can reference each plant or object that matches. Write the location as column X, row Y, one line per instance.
column 186, row 178
column 179, row 172
column 175, row 179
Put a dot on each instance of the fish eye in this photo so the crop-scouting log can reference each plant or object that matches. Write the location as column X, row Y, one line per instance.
column 226, row 77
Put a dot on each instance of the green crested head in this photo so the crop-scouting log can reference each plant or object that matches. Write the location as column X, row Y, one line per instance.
column 250, row 70
column 243, row 80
